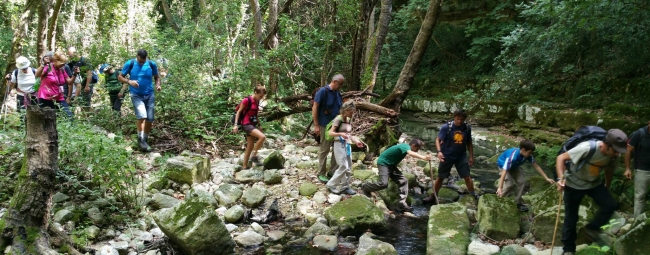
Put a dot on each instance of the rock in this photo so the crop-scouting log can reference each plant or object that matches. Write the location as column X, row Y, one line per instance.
column 358, row 167
column 204, row 196
column 447, row 195
column 538, row 184
column 590, row 250
column 276, row 235
column 307, row 189
column 319, row 197
column 249, row 238
column 157, row 232
column 514, row 249
column 249, row 176
column 108, row 250
column 122, row 247
column 228, row 194
column 272, row 177
column 59, row 198
column 92, row 232
column 257, row 228
column 545, row 216
column 187, row 170
column 305, row 165
column 363, row 174
column 356, row 215
column 305, row 206
column 231, row 227
column 556, row 250
column 412, row 179
column 253, row 196
column 326, row 242
column 390, row 195
column 317, row 229
column 498, row 217
column 333, row 198
column 161, row 201
column 152, row 252
column 62, row 215
column 234, row 214
column 312, row 149
column 274, row 161
column 95, row 215
column 205, row 162
column 480, row 248
column 448, row 227
column 146, row 236
column 358, row 155
column 369, row 246
column 624, row 229
column 634, row 241
column 195, row 228
column 468, row 201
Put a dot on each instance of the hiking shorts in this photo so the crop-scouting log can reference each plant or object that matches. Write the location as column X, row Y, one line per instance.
column 248, row 129
column 143, row 106
column 462, row 166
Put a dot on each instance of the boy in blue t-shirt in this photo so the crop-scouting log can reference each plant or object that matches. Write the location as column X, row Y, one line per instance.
column 509, row 163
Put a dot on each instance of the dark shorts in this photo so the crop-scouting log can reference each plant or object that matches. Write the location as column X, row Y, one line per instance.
column 248, row 129
column 462, row 166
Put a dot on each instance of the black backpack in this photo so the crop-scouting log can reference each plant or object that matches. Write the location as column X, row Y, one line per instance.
column 241, row 115
column 582, row 134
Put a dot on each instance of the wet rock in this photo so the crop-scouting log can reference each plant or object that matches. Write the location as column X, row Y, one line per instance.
column 272, row 177
column 228, row 194
column 253, row 196
column 448, row 227
column 468, row 201
column 249, row 238
column 356, row 215
column 274, row 161
column 498, row 217
column 634, row 241
column 363, row 174
column 447, row 195
column 308, row 189
column 249, row 176
column 369, row 246
column 514, row 249
column 317, row 229
column 544, row 206
column 276, row 235
column 195, row 228
column 480, row 248
column 326, row 242
column 161, row 201
column 234, row 214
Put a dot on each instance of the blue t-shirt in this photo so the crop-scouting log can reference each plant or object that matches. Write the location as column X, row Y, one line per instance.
column 144, row 74
column 454, row 146
column 334, row 102
column 512, row 159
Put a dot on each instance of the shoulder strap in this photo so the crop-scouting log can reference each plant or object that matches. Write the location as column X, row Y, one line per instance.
column 130, row 66
column 592, row 151
column 250, row 103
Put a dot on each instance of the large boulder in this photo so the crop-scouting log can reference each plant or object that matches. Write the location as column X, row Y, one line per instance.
column 228, row 194
column 253, row 196
column 275, row 160
column 205, row 162
column 202, row 196
column 161, row 201
column 363, row 174
column 187, row 170
column 249, row 176
column 369, row 246
column 448, row 230
column 195, row 228
column 544, row 206
column 498, row 218
column 635, row 241
column 356, row 215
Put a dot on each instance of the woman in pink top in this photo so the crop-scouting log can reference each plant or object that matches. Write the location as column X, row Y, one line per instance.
column 53, row 76
column 251, row 124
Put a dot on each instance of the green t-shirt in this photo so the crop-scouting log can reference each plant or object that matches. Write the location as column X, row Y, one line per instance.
column 393, row 155
column 112, row 84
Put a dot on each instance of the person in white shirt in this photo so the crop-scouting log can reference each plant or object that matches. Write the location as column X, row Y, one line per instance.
column 23, row 79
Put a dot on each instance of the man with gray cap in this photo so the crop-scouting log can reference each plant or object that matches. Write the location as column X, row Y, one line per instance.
column 599, row 156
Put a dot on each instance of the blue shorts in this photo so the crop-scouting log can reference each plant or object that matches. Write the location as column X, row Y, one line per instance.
column 143, row 106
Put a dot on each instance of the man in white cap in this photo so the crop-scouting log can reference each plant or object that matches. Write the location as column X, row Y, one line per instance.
column 23, row 79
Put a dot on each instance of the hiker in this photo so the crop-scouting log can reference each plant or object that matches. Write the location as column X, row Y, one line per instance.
column 588, row 159
column 454, row 139
column 114, row 87
column 639, row 144
column 85, row 86
column 339, row 132
column 142, row 75
column 327, row 103
column 248, row 109
column 511, row 173
column 53, row 76
column 23, row 79
column 387, row 164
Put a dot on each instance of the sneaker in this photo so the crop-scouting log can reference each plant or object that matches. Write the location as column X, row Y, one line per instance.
column 143, row 145
column 256, row 161
column 522, row 207
column 323, row 178
column 349, row 191
column 594, row 236
column 334, row 190
column 365, row 192
column 430, row 200
column 402, row 206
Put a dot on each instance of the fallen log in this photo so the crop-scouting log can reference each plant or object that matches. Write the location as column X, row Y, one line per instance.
column 344, row 95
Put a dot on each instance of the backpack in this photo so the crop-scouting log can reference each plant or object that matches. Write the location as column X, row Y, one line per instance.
column 467, row 128
column 243, row 114
column 329, row 126
column 95, row 77
column 582, row 134
column 151, row 64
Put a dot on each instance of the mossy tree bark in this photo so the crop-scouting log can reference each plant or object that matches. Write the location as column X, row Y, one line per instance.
column 375, row 43
column 24, row 225
column 359, row 43
column 51, row 29
column 43, row 15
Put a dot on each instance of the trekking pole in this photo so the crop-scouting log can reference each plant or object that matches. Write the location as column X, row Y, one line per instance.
column 433, row 183
column 557, row 220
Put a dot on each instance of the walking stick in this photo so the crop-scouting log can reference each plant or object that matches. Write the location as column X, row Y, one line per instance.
column 557, row 220
column 433, row 183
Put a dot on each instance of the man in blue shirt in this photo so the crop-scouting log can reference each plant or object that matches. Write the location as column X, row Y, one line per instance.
column 512, row 175
column 142, row 73
column 327, row 103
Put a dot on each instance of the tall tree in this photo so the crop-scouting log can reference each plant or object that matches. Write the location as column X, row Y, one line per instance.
column 257, row 26
column 272, row 44
column 375, row 43
column 51, row 28
column 396, row 98
column 168, row 16
column 43, row 15
column 359, row 43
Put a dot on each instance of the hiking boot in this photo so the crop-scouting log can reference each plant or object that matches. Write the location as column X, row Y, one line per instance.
column 334, row 190
column 323, row 178
column 349, row 191
column 522, row 207
column 403, row 207
column 594, row 236
column 431, row 199
column 366, row 192
column 256, row 161
column 144, row 147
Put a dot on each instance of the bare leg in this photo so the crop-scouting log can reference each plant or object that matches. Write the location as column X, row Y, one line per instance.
column 250, row 140
column 256, row 133
column 140, row 125
column 438, row 184
column 470, row 184
column 147, row 127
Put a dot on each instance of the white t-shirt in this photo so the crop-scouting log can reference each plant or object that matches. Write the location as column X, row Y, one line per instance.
column 25, row 80
column 588, row 176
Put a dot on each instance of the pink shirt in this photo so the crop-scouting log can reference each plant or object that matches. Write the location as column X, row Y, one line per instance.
column 50, row 82
column 251, row 112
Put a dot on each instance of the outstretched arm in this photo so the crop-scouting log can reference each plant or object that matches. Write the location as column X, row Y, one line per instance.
column 417, row 155
column 541, row 172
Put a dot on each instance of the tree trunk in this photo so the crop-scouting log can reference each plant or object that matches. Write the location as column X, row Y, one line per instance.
column 24, row 225
column 274, row 31
column 17, row 43
column 257, row 26
column 375, row 44
column 51, row 29
column 168, row 16
column 272, row 44
column 405, row 80
column 359, row 43
column 41, row 41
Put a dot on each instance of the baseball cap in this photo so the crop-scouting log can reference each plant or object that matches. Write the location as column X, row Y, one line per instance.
column 22, row 62
column 618, row 139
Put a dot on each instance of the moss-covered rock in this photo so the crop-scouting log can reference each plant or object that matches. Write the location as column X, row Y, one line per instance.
column 635, row 241
column 369, row 246
column 204, row 166
column 249, row 176
column 275, row 160
column 498, row 218
column 228, row 194
column 590, row 250
column 363, row 174
column 234, row 214
column 186, row 170
column 272, row 177
column 446, row 195
column 544, row 206
column 356, row 215
column 390, row 195
column 448, row 230
column 358, row 166
column 307, row 189
column 572, row 120
column 358, row 155
column 514, row 249
column 253, row 196
column 468, row 201
column 195, row 228
column 412, row 179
